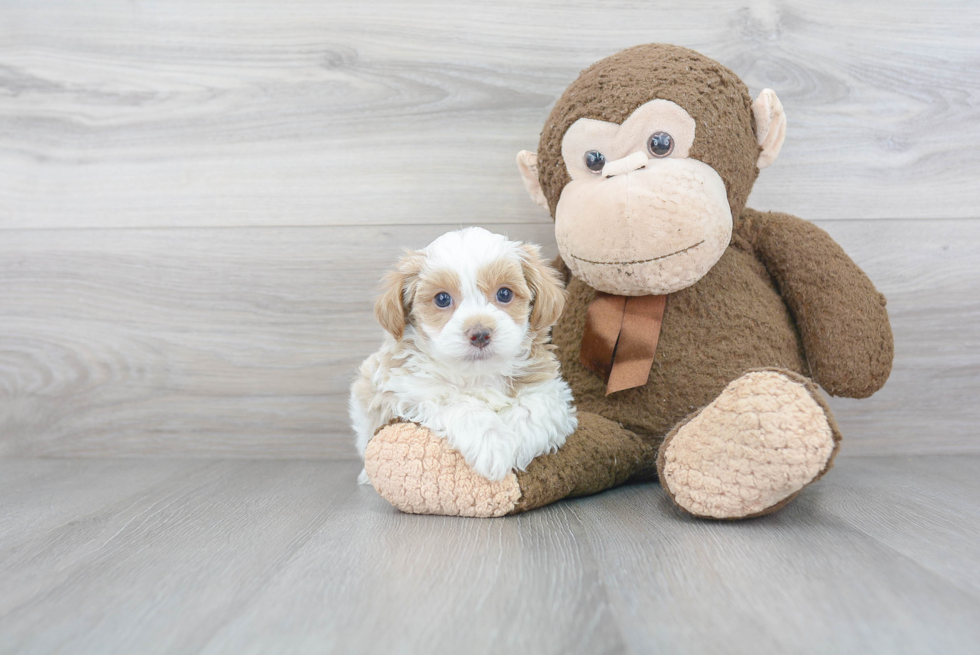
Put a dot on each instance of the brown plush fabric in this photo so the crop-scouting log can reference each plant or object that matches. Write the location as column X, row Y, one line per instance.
column 841, row 317
column 611, row 89
column 731, row 321
column 598, row 456
column 738, row 318
column 783, row 297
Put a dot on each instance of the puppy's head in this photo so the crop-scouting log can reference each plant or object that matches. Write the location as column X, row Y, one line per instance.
column 473, row 297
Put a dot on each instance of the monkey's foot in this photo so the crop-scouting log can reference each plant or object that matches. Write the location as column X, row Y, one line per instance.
column 751, row 450
column 420, row 473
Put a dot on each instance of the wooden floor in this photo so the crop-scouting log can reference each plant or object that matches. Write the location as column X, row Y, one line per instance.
column 285, row 556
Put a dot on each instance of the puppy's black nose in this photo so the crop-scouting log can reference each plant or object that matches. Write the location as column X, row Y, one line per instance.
column 479, row 336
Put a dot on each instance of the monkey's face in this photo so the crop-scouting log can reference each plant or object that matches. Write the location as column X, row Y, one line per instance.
column 639, row 216
column 644, row 162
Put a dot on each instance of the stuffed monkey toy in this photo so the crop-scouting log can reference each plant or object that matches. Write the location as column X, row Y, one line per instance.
column 697, row 330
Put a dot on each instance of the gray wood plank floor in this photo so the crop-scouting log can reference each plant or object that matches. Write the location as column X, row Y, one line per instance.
column 284, row 556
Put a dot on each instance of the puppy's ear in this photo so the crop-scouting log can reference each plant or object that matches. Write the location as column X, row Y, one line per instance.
column 545, row 283
column 397, row 293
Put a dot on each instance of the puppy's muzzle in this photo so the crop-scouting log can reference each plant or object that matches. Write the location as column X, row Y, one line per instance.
column 479, row 336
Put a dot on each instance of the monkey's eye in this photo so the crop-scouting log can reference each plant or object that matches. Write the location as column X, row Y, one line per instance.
column 660, row 144
column 443, row 299
column 504, row 295
column 594, row 161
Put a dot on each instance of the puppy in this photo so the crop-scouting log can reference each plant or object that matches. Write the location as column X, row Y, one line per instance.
column 467, row 353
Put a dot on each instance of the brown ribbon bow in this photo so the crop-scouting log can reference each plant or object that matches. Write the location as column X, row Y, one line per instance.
column 620, row 338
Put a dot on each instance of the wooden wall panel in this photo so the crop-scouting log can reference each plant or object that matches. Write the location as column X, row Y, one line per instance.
column 208, row 341
column 304, row 112
column 196, row 198
column 241, row 342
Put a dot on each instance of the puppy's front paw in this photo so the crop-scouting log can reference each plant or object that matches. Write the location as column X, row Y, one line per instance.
column 492, row 454
column 420, row 473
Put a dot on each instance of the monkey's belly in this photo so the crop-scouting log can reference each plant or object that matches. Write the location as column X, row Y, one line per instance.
column 730, row 321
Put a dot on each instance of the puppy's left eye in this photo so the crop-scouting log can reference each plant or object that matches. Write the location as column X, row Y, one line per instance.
column 504, row 295
column 443, row 299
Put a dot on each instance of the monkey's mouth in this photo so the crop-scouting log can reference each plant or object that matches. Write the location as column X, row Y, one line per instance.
column 640, row 261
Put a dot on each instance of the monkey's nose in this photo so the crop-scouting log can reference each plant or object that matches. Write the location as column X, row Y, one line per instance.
column 479, row 336
column 625, row 165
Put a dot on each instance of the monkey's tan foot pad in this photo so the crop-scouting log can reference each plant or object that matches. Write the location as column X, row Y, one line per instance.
column 751, row 450
column 420, row 473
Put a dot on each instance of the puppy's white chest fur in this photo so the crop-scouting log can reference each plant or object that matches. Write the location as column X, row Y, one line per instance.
column 467, row 353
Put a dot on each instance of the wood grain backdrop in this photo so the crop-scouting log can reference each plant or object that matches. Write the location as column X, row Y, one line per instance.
column 197, row 198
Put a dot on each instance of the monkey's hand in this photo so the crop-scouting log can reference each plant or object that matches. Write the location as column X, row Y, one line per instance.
column 420, row 473
column 841, row 316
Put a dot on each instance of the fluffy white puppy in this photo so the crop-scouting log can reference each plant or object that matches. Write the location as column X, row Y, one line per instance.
column 467, row 353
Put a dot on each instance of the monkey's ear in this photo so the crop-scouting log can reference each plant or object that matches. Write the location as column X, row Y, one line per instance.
column 770, row 126
column 545, row 283
column 397, row 292
column 527, row 163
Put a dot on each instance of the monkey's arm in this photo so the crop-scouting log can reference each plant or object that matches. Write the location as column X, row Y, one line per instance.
column 840, row 315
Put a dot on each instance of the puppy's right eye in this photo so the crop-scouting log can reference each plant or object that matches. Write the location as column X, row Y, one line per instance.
column 443, row 299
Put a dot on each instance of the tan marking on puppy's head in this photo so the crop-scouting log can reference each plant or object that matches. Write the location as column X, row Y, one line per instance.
column 547, row 291
column 507, row 273
column 397, row 292
column 424, row 310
